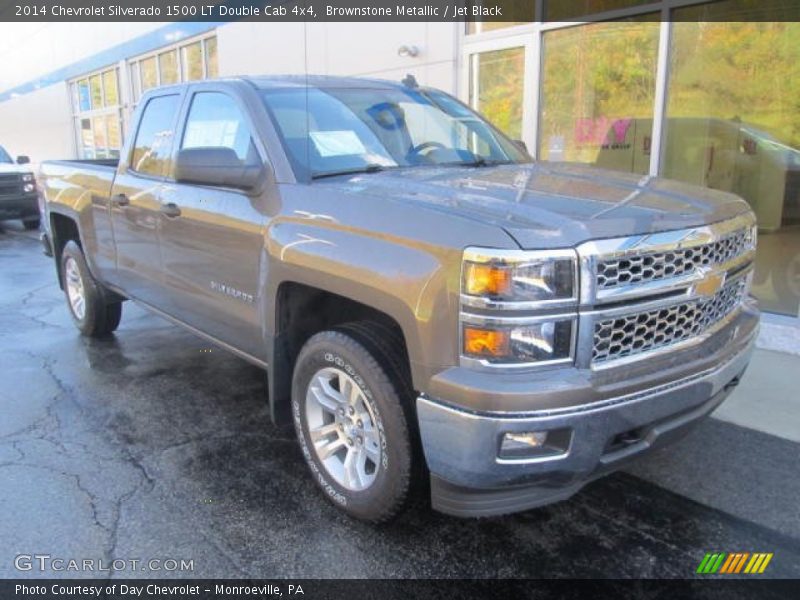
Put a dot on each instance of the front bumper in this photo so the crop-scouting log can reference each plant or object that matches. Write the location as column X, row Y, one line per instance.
column 23, row 206
column 469, row 478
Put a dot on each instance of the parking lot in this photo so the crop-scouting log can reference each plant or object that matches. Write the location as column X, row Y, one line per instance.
column 153, row 445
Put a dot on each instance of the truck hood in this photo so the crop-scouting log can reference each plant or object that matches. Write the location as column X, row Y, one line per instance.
column 552, row 204
column 13, row 168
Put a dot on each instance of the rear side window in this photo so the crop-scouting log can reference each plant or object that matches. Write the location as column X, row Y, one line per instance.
column 215, row 121
column 151, row 150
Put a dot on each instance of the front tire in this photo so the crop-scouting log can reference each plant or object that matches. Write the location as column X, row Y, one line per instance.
column 92, row 312
column 348, row 414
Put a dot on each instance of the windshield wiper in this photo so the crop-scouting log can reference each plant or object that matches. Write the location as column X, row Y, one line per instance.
column 482, row 162
column 370, row 168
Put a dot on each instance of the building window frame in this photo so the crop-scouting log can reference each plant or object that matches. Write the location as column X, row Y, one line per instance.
column 97, row 114
column 129, row 89
column 209, row 70
column 531, row 35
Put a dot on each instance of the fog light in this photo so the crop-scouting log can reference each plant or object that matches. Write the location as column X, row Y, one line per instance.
column 529, row 439
column 534, row 444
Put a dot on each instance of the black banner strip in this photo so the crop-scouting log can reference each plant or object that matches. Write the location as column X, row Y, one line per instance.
column 507, row 11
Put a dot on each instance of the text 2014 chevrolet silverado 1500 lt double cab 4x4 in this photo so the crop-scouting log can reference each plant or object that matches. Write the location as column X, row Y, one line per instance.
column 431, row 306
column 18, row 198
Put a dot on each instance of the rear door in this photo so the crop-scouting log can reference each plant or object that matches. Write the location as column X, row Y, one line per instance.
column 135, row 199
column 212, row 238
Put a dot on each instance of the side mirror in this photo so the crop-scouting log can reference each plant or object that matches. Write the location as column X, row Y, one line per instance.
column 521, row 145
column 23, row 160
column 217, row 166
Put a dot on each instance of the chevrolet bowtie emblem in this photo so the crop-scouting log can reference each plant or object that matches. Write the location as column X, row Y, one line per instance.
column 710, row 284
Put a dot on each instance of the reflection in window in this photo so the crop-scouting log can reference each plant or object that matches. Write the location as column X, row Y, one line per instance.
column 114, row 135
column 168, row 67
column 110, row 87
column 190, row 62
column 148, row 72
column 96, row 87
column 193, row 62
column 97, row 113
column 496, row 88
column 733, row 124
column 84, row 99
column 154, row 138
column 216, row 122
column 87, row 140
column 598, row 87
column 565, row 10
column 212, row 69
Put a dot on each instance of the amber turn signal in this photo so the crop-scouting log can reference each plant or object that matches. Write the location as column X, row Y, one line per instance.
column 486, row 280
column 486, row 342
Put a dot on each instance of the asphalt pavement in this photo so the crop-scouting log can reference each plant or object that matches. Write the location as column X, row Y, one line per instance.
column 152, row 446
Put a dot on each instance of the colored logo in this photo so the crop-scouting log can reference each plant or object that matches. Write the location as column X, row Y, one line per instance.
column 734, row 562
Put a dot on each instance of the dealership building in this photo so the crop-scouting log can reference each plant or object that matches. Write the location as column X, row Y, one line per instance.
column 702, row 92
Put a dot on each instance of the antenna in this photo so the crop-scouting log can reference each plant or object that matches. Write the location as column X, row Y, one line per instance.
column 410, row 81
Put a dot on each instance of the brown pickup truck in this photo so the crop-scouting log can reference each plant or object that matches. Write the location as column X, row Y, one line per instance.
column 437, row 313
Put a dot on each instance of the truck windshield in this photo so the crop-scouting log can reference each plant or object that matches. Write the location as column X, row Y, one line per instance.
column 329, row 132
column 4, row 157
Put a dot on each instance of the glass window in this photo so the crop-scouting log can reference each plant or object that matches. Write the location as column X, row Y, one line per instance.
column 565, row 10
column 154, row 138
column 496, row 82
column 84, row 99
column 168, row 67
column 96, row 88
column 100, row 140
column 114, row 134
column 4, row 157
column 335, row 131
column 136, row 82
column 212, row 69
column 733, row 124
column 110, row 88
column 215, row 121
column 148, row 72
column 87, row 138
column 598, row 88
column 193, row 62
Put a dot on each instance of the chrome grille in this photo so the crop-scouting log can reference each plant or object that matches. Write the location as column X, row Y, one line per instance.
column 642, row 268
column 638, row 332
column 10, row 184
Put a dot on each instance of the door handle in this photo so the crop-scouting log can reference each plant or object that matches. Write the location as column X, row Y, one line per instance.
column 120, row 200
column 170, row 209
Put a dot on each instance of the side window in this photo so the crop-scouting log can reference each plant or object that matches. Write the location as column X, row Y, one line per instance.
column 151, row 150
column 215, row 121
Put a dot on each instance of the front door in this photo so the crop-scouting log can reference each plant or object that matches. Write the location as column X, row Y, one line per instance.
column 212, row 238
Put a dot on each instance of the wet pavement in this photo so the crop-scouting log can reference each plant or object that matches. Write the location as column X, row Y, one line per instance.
column 152, row 445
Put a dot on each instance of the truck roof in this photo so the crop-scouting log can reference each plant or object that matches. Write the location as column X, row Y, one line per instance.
column 265, row 82
column 319, row 81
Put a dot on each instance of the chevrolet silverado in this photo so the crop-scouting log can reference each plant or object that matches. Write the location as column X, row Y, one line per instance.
column 439, row 315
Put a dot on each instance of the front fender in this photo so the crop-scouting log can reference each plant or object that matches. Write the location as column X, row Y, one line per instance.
column 414, row 283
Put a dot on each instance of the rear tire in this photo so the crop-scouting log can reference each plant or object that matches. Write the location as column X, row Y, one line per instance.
column 87, row 300
column 348, row 412
column 31, row 224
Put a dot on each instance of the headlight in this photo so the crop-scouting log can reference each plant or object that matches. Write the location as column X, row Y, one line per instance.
column 501, row 293
column 546, row 341
column 539, row 277
column 28, row 188
column 27, row 177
